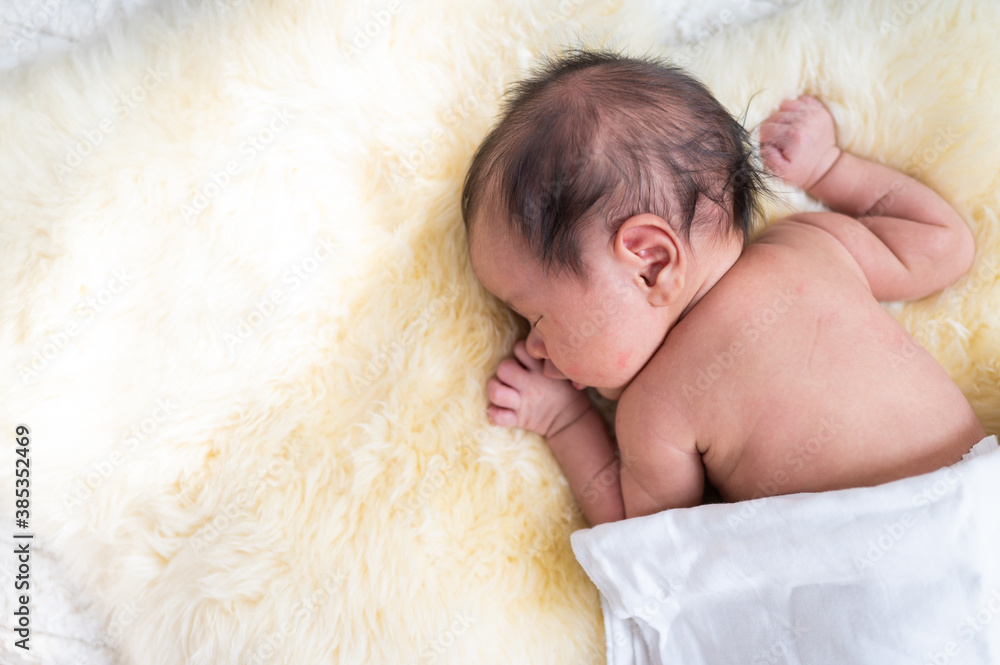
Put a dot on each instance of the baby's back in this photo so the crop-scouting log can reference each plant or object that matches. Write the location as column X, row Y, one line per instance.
column 795, row 379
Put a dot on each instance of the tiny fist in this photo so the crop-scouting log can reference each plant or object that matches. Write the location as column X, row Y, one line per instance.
column 774, row 161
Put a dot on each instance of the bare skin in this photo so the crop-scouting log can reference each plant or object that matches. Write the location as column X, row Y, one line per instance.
column 767, row 369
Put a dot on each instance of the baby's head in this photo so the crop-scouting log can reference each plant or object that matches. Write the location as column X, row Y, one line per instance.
column 609, row 186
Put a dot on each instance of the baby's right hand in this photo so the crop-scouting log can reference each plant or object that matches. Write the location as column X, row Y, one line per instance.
column 798, row 142
column 521, row 396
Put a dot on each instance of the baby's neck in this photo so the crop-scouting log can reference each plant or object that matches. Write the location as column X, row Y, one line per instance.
column 712, row 259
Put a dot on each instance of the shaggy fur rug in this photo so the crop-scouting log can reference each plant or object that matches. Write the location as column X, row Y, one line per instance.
column 236, row 309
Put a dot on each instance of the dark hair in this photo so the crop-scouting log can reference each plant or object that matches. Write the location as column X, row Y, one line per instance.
column 597, row 135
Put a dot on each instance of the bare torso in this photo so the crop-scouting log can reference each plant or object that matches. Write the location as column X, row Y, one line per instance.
column 795, row 379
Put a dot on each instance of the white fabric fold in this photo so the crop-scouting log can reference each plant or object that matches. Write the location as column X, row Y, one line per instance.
column 904, row 572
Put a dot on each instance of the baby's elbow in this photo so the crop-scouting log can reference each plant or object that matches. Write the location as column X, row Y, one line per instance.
column 941, row 256
column 946, row 251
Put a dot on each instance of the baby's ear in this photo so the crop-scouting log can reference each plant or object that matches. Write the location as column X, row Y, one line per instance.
column 653, row 252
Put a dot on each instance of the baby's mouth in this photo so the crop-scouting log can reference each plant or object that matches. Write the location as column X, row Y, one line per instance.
column 578, row 386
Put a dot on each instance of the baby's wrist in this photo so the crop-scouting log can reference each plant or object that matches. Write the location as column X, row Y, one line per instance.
column 569, row 416
column 826, row 163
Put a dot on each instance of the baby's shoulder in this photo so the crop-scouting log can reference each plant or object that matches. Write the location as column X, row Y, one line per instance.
column 797, row 243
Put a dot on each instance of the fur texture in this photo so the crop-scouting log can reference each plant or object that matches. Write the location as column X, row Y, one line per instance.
column 236, row 308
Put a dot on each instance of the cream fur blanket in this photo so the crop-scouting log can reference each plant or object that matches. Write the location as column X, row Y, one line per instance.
column 237, row 313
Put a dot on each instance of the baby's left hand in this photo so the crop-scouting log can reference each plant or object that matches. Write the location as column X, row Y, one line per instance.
column 521, row 396
column 798, row 142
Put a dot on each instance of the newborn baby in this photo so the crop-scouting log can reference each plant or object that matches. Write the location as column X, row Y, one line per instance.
column 611, row 207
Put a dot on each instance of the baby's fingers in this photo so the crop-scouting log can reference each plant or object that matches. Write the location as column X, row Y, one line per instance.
column 521, row 353
column 773, row 157
column 502, row 395
column 772, row 131
column 792, row 104
column 787, row 120
column 501, row 417
column 510, row 372
column 800, row 103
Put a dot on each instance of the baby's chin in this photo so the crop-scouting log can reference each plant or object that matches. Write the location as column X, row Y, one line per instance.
column 610, row 393
column 618, row 384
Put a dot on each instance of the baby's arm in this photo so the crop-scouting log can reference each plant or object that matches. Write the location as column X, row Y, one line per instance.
column 521, row 396
column 664, row 468
column 907, row 240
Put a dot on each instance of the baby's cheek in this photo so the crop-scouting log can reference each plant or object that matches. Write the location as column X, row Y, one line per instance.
column 578, row 364
column 572, row 368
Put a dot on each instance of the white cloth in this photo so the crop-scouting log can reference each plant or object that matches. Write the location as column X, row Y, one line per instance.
column 905, row 572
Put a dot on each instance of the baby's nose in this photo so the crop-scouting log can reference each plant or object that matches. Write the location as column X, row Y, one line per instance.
column 535, row 346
